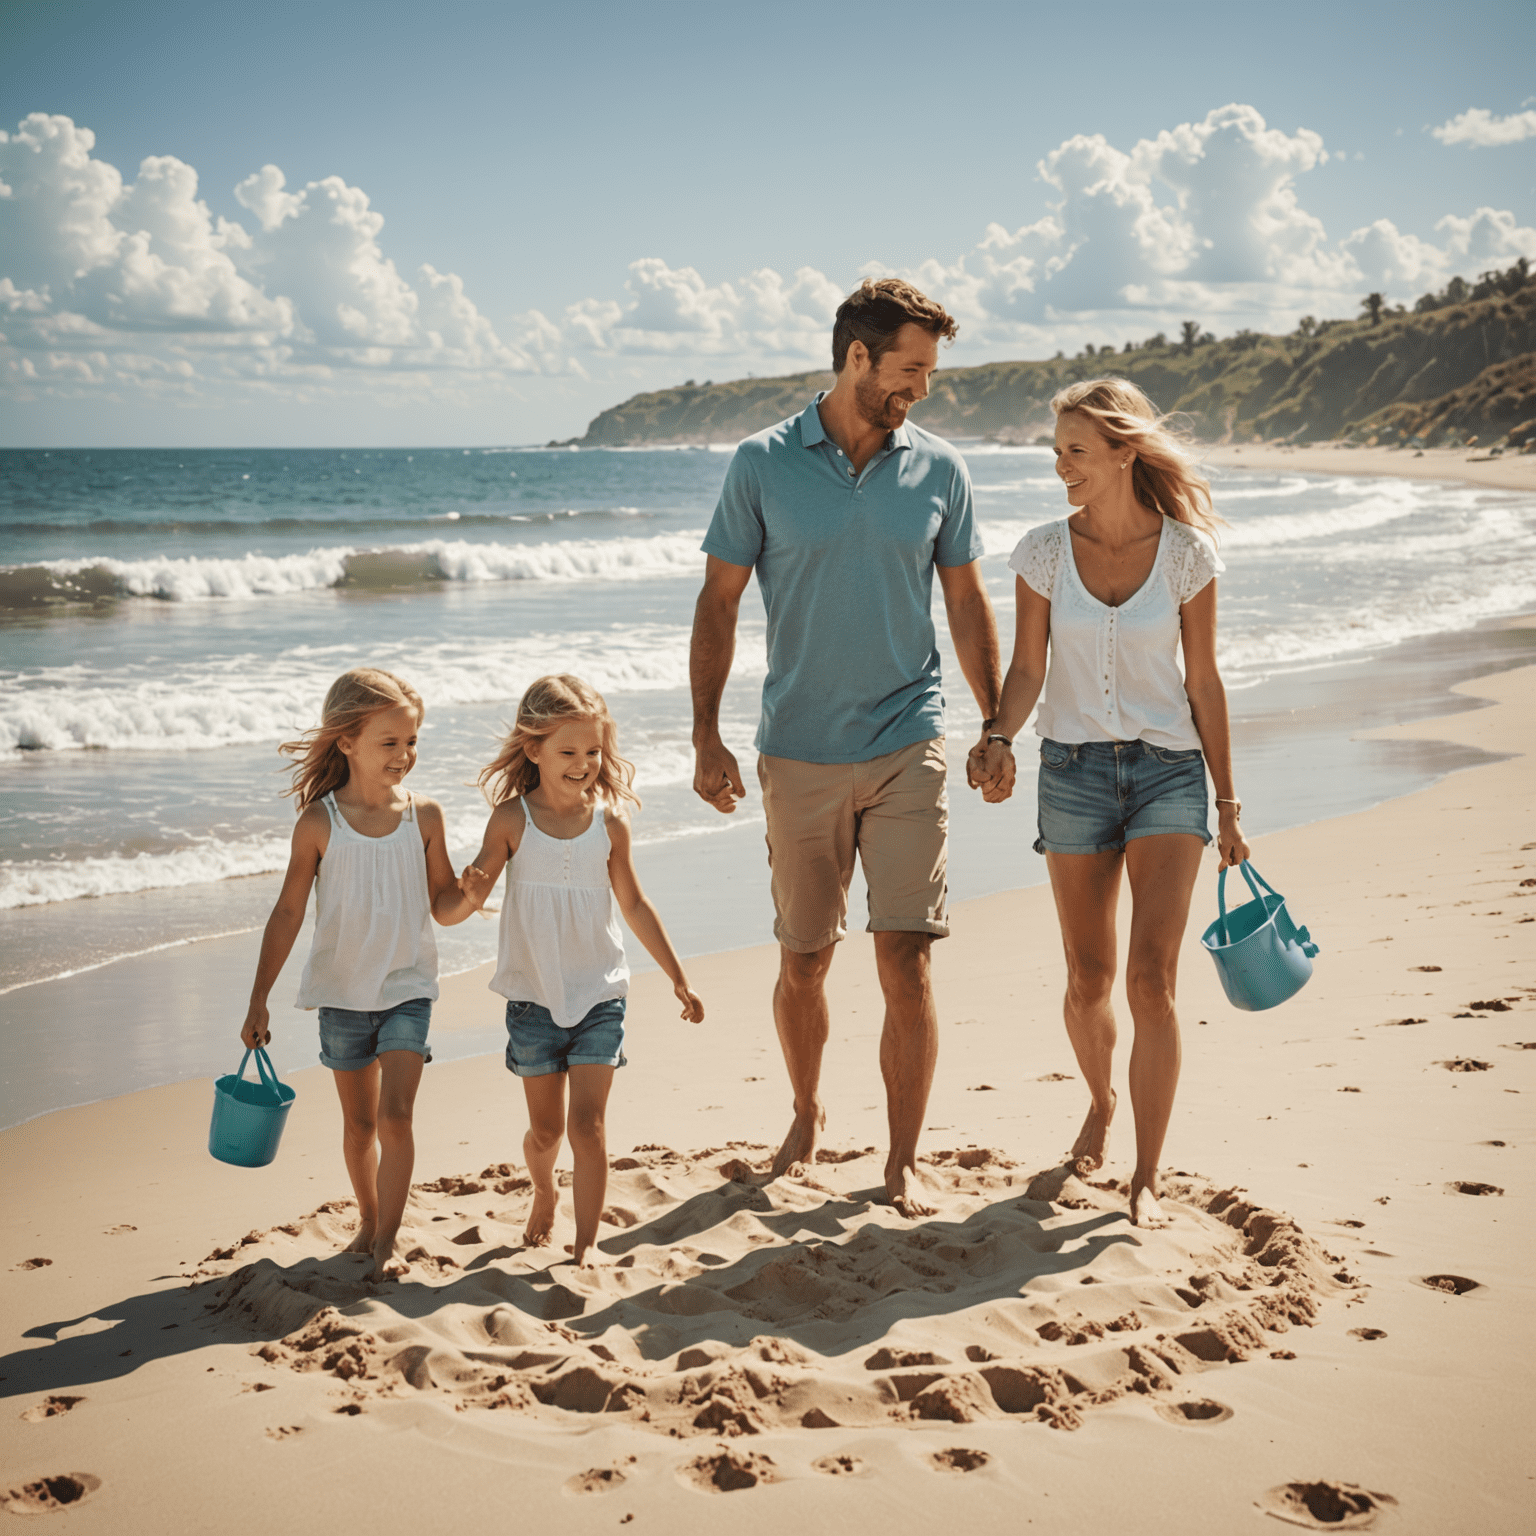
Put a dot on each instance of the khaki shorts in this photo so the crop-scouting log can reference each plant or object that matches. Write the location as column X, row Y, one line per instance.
column 893, row 810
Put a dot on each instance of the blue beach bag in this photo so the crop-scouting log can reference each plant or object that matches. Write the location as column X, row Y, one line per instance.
column 248, row 1116
column 1262, row 957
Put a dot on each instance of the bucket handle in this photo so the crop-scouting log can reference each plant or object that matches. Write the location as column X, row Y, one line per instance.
column 1249, row 873
column 264, row 1070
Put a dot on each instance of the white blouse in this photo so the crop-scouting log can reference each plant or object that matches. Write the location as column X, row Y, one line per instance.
column 561, row 945
column 1115, row 674
column 373, row 946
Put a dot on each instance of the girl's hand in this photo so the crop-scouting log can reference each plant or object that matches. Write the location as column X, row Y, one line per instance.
column 1230, row 841
column 256, row 1030
column 693, row 1007
column 475, row 884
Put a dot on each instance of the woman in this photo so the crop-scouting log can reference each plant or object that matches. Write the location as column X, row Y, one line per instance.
column 1114, row 591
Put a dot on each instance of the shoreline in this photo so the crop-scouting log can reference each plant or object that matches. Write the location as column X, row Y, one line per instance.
column 1395, row 1386
column 1509, row 472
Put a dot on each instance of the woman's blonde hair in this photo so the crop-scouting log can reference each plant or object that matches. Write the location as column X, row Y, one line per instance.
column 352, row 700
column 549, row 703
column 1164, row 476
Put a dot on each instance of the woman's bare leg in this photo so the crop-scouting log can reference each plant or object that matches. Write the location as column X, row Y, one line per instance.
column 359, row 1095
column 1162, row 872
column 589, row 1149
column 546, row 1127
column 399, row 1078
column 1087, row 887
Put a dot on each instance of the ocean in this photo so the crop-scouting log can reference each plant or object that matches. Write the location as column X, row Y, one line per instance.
column 168, row 617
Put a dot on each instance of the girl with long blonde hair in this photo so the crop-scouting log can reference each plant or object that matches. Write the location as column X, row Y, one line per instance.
column 559, row 827
column 375, row 854
column 1108, row 598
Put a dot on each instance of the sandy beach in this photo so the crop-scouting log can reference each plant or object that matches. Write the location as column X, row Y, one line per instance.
column 1507, row 472
column 1341, row 1306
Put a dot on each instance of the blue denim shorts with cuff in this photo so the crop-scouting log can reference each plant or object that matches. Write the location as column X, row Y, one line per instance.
column 1096, row 796
column 351, row 1039
column 537, row 1046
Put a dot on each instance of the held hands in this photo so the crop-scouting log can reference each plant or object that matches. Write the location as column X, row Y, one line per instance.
column 256, row 1030
column 693, row 1007
column 717, row 777
column 475, row 885
column 1230, row 842
column 991, row 769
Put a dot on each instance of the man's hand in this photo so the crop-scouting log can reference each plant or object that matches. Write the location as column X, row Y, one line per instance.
column 716, row 775
column 996, row 774
column 976, row 775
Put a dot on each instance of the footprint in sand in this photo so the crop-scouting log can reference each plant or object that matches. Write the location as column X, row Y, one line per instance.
column 1465, row 1064
column 1451, row 1285
column 595, row 1480
column 1198, row 1410
column 284, row 1431
column 1325, row 1506
column 958, row 1458
column 50, row 1408
column 119, row 1230
column 1368, row 1335
column 1471, row 1187
column 34, row 1264
column 727, row 1472
column 50, row 1493
column 1520, row 1045
column 839, row 1466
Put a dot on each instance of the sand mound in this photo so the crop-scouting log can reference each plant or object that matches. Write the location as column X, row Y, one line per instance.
column 728, row 1307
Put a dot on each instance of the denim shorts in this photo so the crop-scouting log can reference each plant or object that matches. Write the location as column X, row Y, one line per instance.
column 350, row 1039
column 1096, row 796
column 537, row 1046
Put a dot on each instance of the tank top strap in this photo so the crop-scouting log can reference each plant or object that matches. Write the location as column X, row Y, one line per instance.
column 410, row 807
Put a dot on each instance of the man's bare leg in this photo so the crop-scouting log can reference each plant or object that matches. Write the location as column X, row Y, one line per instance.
column 1086, row 887
column 909, row 1048
column 800, row 1014
column 1162, row 872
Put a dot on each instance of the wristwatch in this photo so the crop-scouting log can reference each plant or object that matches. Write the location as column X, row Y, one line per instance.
column 1007, row 741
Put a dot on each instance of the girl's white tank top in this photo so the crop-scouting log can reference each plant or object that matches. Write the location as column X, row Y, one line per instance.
column 561, row 945
column 373, row 944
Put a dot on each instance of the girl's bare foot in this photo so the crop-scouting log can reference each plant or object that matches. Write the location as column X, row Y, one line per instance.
column 584, row 1255
column 1087, row 1155
column 362, row 1243
column 1145, row 1210
column 541, row 1219
column 386, row 1265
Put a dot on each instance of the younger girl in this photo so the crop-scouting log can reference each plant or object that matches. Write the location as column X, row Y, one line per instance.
column 559, row 827
column 376, row 856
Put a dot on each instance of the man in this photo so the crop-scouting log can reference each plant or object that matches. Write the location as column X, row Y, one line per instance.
column 845, row 512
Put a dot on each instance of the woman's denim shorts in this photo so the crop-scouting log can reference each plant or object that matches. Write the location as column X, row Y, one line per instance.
column 537, row 1046
column 350, row 1039
column 1095, row 796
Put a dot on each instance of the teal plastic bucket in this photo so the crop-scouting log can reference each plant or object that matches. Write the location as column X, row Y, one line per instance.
column 248, row 1116
column 1262, row 957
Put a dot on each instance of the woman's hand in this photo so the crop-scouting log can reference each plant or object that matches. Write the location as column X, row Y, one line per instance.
column 997, row 773
column 693, row 1007
column 257, row 1027
column 1230, row 842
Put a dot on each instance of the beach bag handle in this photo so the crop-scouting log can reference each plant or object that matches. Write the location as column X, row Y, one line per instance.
column 1249, row 874
column 264, row 1070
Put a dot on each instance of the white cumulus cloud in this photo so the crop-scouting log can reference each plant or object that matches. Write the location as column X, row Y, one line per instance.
column 1478, row 127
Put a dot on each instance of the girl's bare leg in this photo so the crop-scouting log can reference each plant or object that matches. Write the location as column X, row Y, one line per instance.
column 399, row 1077
column 1087, row 888
column 1162, row 871
column 546, row 1127
column 359, row 1095
column 589, row 1148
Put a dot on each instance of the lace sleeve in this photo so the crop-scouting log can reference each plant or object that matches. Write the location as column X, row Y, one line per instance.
column 1037, row 557
column 1198, row 563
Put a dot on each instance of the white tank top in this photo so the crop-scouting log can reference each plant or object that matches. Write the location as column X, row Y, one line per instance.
column 1115, row 673
column 561, row 945
column 373, row 944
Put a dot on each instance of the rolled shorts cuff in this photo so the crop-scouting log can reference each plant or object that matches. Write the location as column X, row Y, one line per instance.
column 931, row 926
column 808, row 946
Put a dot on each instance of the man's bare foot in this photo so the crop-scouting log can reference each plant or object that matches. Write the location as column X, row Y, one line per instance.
column 1087, row 1154
column 362, row 1243
column 1145, row 1209
column 800, row 1144
column 541, row 1219
column 907, row 1192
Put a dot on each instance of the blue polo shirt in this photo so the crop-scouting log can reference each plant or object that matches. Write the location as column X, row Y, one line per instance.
column 845, row 565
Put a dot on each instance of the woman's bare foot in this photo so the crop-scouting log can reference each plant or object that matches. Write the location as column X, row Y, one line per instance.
column 584, row 1255
column 800, row 1144
column 1087, row 1155
column 362, row 1243
column 1145, row 1209
column 541, row 1219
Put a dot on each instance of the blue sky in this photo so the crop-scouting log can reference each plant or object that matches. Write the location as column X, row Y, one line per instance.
column 755, row 161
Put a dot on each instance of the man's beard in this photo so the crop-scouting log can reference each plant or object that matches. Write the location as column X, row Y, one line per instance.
column 879, row 407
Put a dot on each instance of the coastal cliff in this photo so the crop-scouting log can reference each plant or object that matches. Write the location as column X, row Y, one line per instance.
column 1461, row 365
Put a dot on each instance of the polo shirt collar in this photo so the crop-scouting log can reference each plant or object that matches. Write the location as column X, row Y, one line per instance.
column 812, row 432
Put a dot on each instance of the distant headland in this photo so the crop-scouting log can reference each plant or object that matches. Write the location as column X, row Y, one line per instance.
column 1460, row 366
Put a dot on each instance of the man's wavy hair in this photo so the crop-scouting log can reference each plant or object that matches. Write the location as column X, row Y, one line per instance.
column 876, row 310
column 1164, row 477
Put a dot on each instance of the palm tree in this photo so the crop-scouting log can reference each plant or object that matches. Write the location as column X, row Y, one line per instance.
column 1372, row 304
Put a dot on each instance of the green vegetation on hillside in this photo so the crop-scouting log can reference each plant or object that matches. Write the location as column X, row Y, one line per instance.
column 1461, row 363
